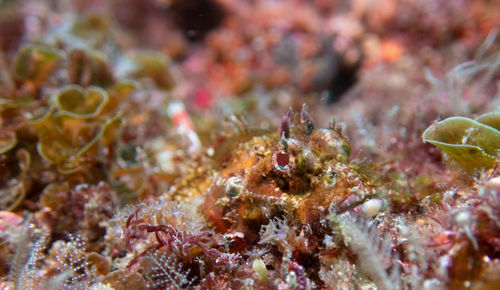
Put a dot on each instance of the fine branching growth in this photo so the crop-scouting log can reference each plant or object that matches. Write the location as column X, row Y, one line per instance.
column 71, row 264
column 463, row 89
column 71, row 258
column 28, row 254
column 166, row 271
column 373, row 252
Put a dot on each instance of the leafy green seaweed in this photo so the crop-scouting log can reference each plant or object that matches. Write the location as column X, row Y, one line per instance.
column 472, row 143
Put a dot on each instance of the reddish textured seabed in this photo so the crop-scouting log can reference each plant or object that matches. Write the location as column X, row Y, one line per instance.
column 249, row 144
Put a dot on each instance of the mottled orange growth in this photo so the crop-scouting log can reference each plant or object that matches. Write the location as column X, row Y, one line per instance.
column 245, row 161
column 299, row 177
column 391, row 50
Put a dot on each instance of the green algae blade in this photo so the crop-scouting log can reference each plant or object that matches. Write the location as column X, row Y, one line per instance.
column 35, row 63
column 76, row 102
column 472, row 144
column 7, row 141
column 491, row 119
